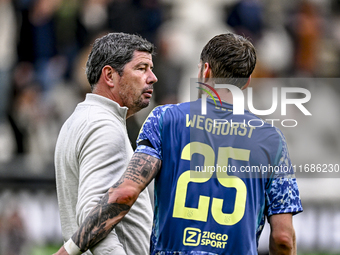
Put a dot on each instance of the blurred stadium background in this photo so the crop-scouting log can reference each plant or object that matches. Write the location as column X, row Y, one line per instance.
column 43, row 48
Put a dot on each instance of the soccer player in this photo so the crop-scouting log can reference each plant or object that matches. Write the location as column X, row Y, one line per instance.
column 207, row 198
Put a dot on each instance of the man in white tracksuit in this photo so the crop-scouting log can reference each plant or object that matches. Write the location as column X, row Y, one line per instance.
column 93, row 148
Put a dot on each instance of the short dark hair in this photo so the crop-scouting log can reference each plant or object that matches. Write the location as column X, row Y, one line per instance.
column 115, row 50
column 230, row 56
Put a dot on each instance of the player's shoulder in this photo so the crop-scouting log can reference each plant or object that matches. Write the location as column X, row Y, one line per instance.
column 161, row 110
column 271, row 137
column 263, row 130
column 275, row 131
column 166, row 107
column 267, row 126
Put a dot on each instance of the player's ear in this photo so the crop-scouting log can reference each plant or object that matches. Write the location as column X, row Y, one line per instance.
column 207, row 73
column 110, row 75
column 247, row 84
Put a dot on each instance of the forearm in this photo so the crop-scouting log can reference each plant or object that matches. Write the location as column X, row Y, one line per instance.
column 100, row 222
column 282, row 235
column 294, row 244
column 116, row 203
column 97, row 225
column 280, row 248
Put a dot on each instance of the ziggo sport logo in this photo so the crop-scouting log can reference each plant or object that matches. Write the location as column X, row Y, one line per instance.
column 238, row 103
column 195, row 237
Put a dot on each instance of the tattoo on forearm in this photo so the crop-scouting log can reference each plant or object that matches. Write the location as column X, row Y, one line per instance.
column 142, row 167
column 95, row 228
column 120, row 181
column 106, row 215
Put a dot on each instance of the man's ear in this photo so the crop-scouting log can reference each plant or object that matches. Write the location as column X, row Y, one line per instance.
column 247, row 84
column 207, row 71
column 109, row 75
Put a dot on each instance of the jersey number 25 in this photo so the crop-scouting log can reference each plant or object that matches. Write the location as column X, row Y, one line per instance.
column 201, row 212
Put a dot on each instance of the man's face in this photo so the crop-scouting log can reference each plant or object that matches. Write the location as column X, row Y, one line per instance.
column 136, row 83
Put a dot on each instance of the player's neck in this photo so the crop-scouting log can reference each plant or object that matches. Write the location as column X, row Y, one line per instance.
column 225, row 95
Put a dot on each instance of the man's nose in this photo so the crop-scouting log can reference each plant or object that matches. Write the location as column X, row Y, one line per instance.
column 152, row 78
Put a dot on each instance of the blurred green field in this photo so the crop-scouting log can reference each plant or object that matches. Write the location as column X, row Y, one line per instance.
column 44, row 250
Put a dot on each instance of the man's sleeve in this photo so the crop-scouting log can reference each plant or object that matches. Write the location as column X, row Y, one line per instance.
column 282, row 193
column 149, row 140
column 101, row 163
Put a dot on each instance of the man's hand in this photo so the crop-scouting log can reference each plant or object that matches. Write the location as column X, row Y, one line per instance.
column 61, row 251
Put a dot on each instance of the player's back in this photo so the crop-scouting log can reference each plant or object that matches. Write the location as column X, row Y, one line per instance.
column 209, row 195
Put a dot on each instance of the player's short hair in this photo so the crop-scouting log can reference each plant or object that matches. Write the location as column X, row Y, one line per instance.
column 115, row 50
column 230, row 56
